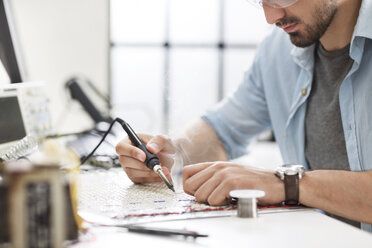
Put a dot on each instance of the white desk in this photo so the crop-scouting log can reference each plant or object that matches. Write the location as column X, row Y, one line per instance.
column 304, row 229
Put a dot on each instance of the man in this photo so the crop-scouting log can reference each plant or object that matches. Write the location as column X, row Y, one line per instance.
column 311, row 82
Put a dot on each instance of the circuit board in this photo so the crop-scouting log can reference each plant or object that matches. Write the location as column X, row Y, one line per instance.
column 111, row 194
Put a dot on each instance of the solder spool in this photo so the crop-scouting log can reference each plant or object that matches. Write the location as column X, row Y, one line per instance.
column 247, row 201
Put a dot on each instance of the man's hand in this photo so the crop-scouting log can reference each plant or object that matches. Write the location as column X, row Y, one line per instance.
column 211, row 182
column 132, row 158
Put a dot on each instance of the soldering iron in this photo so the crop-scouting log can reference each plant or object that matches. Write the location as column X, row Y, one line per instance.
column 152, row 161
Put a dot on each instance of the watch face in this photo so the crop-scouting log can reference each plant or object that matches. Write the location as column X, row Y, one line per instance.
column 293, row 169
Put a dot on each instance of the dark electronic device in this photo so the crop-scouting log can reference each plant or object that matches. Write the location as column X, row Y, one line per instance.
column 24, row 110
column 78, row 94
column 10, row 53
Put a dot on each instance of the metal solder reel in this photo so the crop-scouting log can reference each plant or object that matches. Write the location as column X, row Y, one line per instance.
column 247, row 201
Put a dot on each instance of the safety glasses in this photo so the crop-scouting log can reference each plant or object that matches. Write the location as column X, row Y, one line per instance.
column 273, row 3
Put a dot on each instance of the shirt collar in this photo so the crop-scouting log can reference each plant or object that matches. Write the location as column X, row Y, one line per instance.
column 362, row 31
column 304, row 57
column 363, row 26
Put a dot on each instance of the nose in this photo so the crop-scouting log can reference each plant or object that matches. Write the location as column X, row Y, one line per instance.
column 273, row 15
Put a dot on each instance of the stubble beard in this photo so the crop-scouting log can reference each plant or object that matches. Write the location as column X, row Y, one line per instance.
column 323, row 17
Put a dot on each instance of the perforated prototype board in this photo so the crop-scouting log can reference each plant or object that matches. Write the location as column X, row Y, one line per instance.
column 111, row 194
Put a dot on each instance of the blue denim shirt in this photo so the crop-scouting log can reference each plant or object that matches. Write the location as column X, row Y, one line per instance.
column 274, row 93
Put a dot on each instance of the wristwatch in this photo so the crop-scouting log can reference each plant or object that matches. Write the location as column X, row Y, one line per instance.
column 290, row 174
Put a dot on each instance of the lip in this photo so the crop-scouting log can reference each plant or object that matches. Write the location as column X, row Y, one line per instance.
column 290, row 28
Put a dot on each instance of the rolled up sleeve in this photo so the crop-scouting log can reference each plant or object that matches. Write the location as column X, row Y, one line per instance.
column 242, row 116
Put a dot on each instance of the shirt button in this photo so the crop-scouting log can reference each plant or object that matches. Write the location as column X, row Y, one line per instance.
column 304, row 92
column 283, row 135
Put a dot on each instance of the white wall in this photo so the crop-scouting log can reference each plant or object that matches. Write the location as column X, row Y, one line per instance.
column 62, row 38
column 3, row 75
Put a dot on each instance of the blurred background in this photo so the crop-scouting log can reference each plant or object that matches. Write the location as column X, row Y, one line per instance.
column 161, row 63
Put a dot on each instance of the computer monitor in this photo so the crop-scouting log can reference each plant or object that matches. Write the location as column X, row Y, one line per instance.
column 10, row 53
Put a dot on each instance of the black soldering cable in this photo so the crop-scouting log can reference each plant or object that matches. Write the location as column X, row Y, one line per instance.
column 85, row 158
column 152, row 161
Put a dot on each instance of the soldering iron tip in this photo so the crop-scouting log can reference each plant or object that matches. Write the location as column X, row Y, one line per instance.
column 169, row 185
column 172, row 188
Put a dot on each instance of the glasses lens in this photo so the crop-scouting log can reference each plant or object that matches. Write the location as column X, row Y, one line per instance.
column 279, row 3
column 272, row 3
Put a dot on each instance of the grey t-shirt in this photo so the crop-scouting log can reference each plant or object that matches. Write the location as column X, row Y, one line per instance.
column 325, row 140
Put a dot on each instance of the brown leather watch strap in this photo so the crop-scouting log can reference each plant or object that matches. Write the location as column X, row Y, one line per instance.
column 291, row 183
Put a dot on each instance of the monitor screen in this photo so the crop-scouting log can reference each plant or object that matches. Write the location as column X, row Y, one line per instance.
column 9, row 48
column 11, row 126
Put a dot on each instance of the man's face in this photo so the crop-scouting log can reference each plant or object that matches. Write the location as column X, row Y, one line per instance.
column 306, row 21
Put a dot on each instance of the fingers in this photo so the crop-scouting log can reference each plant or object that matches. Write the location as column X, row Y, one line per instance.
column 123, row 148
column 155, row 144
column 132, row 158
column 160, row 143
column 146, row 180
column 212, row 182
column 216, row 189
column 137, row 173
column 134, row 173
column 156, row 179
column 140, row 176
column 132, row 163
column 221, row 194
column 205, row 190
column 144, row 174
column 194, row 176
column 193, row 169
